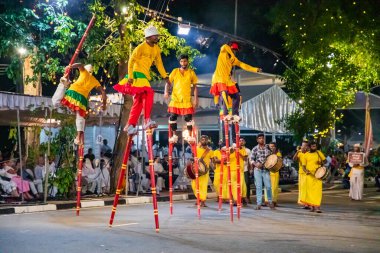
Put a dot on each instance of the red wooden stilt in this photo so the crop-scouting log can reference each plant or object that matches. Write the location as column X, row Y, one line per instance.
column 121, row 177
column 221, row 179
column 170, row 172
column 79, row 47
column 79, row 174
column 229, row 169
column 237, row 150
column 149, row 133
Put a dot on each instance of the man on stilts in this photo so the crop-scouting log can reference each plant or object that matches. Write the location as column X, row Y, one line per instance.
column 223, row 89
column 184, row 80
column 76, row 96
column 222, row 83
column 136, row 84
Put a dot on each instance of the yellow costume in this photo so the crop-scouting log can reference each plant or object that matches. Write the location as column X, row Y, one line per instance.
column 313, row 195
column 142, row 58
column 274, row 182
column 221, row 79
column 301, row 179
column 243, row 187
column 203, row 180
column 76, row 97
column 180, row 102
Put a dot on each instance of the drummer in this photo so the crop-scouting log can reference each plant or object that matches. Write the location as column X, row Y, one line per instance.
column 274, row 177
column 258, row 156
column 313, row 186
column 205, row 153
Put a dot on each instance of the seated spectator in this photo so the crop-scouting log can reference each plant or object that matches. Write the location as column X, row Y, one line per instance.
column 90, row 156
column 104, row 169
column 9, row 171
column 105, row 150
column 39, row 174
column 91, row 180
column 27, row 175
column 158, row 172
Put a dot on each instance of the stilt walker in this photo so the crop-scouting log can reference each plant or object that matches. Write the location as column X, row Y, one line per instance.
column 136, row 84
column 184, row 80
column 223, row 88
column 75, row 98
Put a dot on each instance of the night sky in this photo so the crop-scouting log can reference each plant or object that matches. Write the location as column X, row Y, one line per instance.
column 252, row 25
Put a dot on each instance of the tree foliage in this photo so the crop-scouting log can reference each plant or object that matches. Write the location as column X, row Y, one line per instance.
column 334, row 50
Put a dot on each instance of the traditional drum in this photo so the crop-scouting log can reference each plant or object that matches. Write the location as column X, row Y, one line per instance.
column 273, row 163
column 322, row 173
column 190, row 169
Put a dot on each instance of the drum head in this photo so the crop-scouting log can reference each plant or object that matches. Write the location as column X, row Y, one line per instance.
column 320, row 172
column 270, row 161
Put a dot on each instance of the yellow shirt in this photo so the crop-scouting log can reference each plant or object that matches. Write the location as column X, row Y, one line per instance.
column 207, row 158
column 182, row 83
column 313, row 161
column 85, row 83
column 300, row 157
column 242, row 154
column 226, row 60
column 142, row 58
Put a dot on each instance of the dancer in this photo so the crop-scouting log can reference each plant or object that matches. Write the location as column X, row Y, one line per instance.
column 136, row 82
column 222, row 83
column 184, row 80
column 76, row 96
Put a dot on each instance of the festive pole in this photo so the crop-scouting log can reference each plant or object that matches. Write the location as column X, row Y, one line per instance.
column 121, row 177
column 79, row 47
column 237, row 150
column 79, row 174
column 170, row 172
column 221, row 180
column 229, row 169
column 149, row 133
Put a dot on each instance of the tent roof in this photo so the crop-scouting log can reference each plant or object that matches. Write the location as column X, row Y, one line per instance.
column 360, row 101
column 264, row 111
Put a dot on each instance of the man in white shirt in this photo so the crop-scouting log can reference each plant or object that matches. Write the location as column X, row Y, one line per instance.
column 39, row 171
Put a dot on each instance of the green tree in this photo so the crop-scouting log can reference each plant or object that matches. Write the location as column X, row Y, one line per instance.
column 334, row 50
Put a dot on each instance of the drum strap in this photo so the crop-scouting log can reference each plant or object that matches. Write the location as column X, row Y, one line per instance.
column 204, row 154
column 319, row 157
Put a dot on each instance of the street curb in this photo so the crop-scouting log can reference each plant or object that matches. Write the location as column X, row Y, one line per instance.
column 91, row 203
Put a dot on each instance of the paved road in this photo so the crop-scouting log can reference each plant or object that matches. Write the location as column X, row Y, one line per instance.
column 345, row 226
